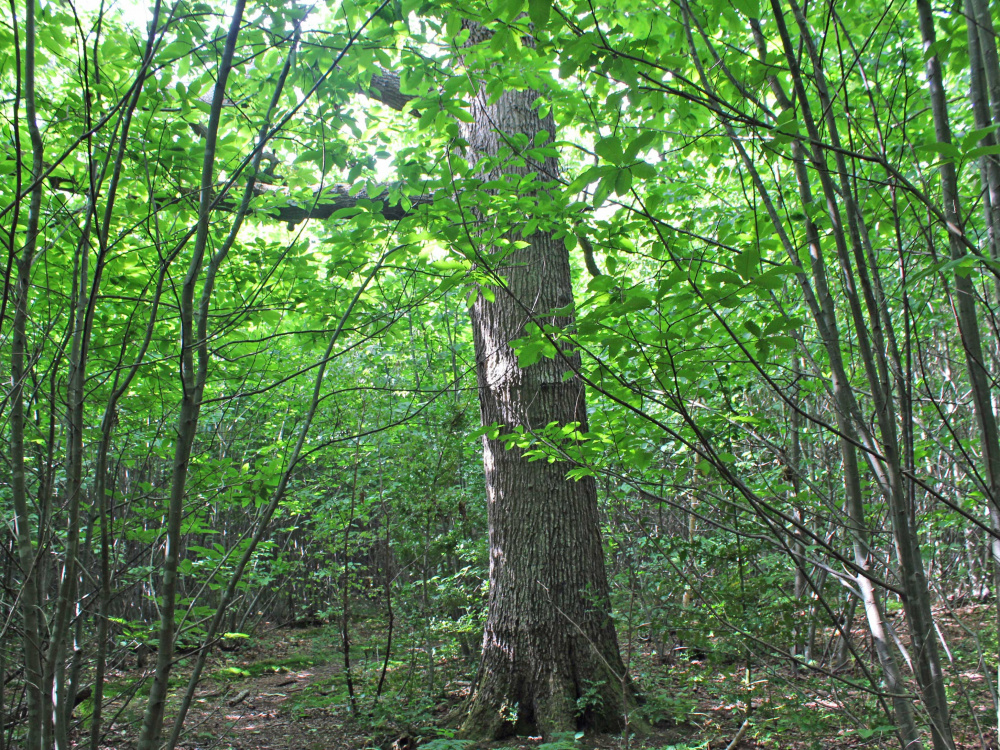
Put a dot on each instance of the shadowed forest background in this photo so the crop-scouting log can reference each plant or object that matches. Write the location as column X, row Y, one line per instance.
column 490, row 374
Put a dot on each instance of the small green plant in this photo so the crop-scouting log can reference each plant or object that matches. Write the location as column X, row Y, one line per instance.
column 447, row 744
column 280, row 666
column 660, row 707
column 867, row 734
column 233, row 673
column 321, row 695
column 562, row 741
column 591, row 697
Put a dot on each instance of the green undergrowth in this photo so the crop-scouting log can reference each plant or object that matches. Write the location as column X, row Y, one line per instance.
column 284, row 665
column 686, row 704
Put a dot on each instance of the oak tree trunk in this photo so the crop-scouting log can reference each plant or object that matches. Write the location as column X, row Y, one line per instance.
column 550, row 659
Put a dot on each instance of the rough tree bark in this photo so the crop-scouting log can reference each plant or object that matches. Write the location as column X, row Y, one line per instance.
column 550, row 659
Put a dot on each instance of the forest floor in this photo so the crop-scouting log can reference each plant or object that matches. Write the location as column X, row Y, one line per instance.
column 284, row 689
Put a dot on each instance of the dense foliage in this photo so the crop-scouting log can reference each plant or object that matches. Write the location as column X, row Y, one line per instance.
column 240, row 244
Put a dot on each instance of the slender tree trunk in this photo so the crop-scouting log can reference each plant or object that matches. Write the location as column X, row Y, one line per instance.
column 26, row 554
column 823, row 310
column 387, row 568
column 194, row 338
column 276, row 497
column 967, row 317
column 345, row 580
column 984, row 76
column 55, row 667
column 800, row 630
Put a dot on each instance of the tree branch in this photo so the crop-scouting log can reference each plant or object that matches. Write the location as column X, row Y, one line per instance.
column 338, row 197
column 385, row 88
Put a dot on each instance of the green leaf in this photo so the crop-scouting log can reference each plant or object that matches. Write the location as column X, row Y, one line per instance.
column 500, row 40
column 964, row 266
column 643, row 171
column 749, row 8
column 771, row 279
column 783, row 342
column 177, row 49
column 530, row 353
column 747, row 262
column 601, row 284
column 604, row 188
column 610, row 149
column 451, row 265
column 591, row 175
column 975, row 136
column 640, row 143
column 975, row 153
column 461, row 113
column 623, row 182
column 641, row 459
column 947, row 150
column 538, row 11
